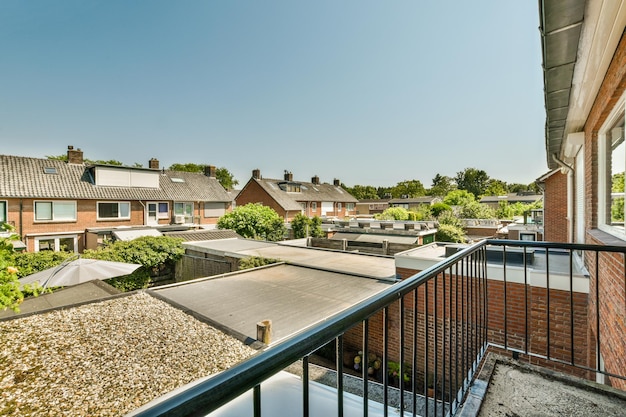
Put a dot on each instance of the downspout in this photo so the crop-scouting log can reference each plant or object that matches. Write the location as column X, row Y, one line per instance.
column 21, row 218
column 571, row 171
column 145, row 213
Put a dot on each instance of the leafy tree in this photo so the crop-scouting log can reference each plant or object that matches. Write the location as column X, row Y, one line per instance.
column 89, row 161
column 412, row 188
column 422, row 212
column 441, row 186
column 10, row 294
column 476, row 210
column 473, row 180
column 384, row 192
column 448, row 217
column 496, row 187
column 438, row 208
column 189, row 167
column 394, row 213
column 617, row 183
column 450, row 233
column 28, row 263
column 154, row 253
column 254, row 221
column 303, row 226
column 459, row 198
column 363, row 192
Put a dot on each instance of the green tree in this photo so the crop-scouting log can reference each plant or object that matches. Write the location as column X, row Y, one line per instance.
column 496, row 188
column 189, row 167
column 438, row 208
column 255, row 261
column 393, row 213
column 363, row 192
column 254, row 221
column 411, row 188
column 10, row 294
column 154, row 253
column 459, row 198
column 89, row 161
column 441, row 186
column 304, row 226
column 476, row 210
column 224, row 176
column 449, row 233
column 473, row 180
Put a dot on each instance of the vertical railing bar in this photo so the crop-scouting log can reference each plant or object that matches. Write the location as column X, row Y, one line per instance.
column 525, row 303
column 598, row 350
column 485, row 295
column 506, row 333
column 473, row 309
column 305, row 386
column 414, row 360
column 449, row 318
column 426, row 350
column 339, row 365
column 385, row 355
column 363, row 368
column 548, row 303
column 571, row 305
column 256, row 400
column 443, row 335
column 401, row 346
column 456, row 327
column 436, row 331
column 464, row 317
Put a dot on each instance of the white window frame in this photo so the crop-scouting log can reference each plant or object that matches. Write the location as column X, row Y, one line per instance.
column 350, row 206
column 338, row 207
column 119, row 211
column 53, row 218
column 617, row 113
column 188, row 217
column 4, row 211
column 314, row 206
column 57, row 241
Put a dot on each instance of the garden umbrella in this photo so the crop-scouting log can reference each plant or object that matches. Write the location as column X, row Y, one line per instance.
column 78, row 271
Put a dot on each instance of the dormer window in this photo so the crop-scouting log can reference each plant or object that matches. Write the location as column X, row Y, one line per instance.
column 179, row 180
column 290, row 187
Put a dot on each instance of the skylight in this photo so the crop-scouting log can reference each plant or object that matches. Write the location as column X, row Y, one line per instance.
column 174, row 179
column 50, row 170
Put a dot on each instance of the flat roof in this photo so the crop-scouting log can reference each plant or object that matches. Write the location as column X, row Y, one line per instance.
column 292, row 297
column 377, row 266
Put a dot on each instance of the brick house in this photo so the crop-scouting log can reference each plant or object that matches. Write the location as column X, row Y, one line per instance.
column 52, row 203
column 584, row 63
column 414, row 203
column 288, row 197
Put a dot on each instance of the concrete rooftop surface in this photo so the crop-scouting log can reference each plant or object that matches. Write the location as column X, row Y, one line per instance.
column 508, row 388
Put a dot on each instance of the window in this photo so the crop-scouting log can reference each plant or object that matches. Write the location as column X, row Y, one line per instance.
column 56, row 243
column 3, row 211
column 612, row 159
column 113, row 211
column 184, row 209
column 55, row 211
column 214, row 209
column 50, row 170
column 164, row 211
column 350, row 206
column 314, row 206
column 338, row 206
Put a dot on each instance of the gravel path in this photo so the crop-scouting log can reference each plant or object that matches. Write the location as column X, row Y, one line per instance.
column 106, row 359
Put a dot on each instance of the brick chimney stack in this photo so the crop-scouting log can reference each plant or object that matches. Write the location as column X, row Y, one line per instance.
column 74, row 156
column 315, row 180
column 336, row 183
column 153, row 163
column 210, row 171
column 256, row 174
column 288, row 176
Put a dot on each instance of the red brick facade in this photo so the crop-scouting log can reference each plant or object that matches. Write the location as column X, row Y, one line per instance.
column 556, row 223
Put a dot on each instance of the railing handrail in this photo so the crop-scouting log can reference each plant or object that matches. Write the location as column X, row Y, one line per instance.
column 229, row 384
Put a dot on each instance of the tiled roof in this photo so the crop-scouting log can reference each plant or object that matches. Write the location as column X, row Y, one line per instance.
column 202, row 235
column 24, row 177
column 309, row 192
column 195, row 187
column 425, row 199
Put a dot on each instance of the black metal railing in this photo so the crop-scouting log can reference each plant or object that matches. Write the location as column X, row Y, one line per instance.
column 436, row 325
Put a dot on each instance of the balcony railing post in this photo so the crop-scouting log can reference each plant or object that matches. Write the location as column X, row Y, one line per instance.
column 339, row 365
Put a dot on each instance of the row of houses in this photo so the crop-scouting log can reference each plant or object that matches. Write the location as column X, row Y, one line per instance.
column 72, row 205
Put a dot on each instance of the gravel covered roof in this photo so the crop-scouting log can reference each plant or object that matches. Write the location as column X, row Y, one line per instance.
column 107, row 358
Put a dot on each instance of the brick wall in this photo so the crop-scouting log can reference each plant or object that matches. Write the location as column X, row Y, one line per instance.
column 556, row 224
column 254, row 193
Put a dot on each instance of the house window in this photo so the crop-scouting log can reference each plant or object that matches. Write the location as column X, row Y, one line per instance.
column 55, row 211
column 185, row 210
column 350, row 206
column 214, row 210
column 113, row 211
column 164, row 211
column 612, row 160
column 314, row 206
column 338, row 206
column 3, row 211
column 56, row 243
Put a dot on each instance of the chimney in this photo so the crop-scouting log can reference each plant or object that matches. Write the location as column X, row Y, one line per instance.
column 336, row 183
column 315, row 180
column 153, row 163
column 288, row 176
column 210, row 171
column 74, row 156
column 256, row 174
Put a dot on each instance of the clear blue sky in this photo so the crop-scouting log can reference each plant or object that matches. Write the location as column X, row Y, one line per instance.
column 369, row 92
